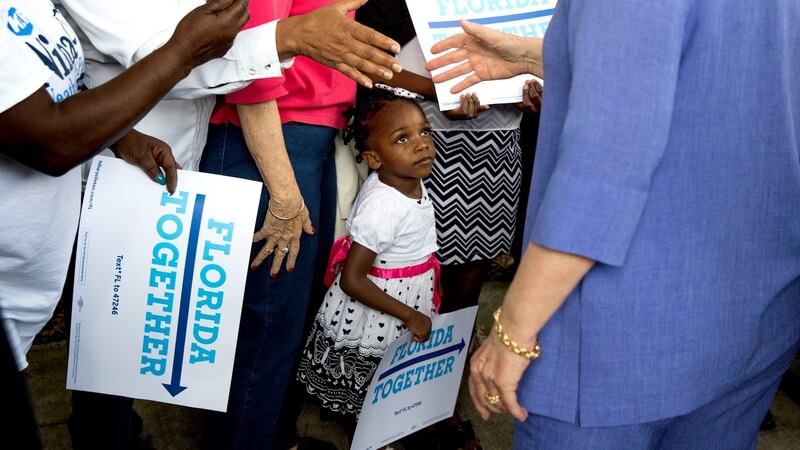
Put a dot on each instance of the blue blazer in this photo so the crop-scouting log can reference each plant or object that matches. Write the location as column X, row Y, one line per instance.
column 668, row 153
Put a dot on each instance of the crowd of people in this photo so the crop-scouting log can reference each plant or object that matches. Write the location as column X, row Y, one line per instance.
column 656, row 303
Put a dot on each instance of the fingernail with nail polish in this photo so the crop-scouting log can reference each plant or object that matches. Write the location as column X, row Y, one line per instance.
column 161, row 179
column 290, row 270
column 273, row 275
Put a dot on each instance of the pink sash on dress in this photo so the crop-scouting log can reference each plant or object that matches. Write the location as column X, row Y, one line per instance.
column 339, row 253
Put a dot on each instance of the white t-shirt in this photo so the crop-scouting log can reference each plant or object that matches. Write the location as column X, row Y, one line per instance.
column 39, row 213
column 395, row 227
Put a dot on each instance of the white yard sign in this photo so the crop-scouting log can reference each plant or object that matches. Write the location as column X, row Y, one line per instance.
column 159, row 281
column 416, row 384
column 435, row 20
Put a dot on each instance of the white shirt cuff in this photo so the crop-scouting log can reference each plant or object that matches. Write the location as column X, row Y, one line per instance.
column 256, row 53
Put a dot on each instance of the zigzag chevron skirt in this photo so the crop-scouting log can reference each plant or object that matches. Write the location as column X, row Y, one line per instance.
column 474, row 187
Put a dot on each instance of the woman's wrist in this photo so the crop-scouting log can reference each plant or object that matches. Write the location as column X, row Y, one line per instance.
column 518, row 320
column 528, row 350
column 285, row 203
column 284, row 216
column 533, row 56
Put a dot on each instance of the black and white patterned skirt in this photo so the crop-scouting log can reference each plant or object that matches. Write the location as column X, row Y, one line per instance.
column 348, row 339
column 475, row 187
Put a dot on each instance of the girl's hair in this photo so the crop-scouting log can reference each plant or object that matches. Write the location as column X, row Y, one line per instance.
column 361, row 115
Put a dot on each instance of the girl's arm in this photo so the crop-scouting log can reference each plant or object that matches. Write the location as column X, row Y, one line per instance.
column 469, row 108
column 261, row 126
column 412, row 82
column 356, row 284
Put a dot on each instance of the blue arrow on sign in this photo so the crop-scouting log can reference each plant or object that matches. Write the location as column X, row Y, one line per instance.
column 174, row 387
column 413, row 361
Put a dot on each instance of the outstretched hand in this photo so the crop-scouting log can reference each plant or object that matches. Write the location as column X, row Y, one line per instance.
column 328, row 37
column 149, row 154
column 207, row 32
column 485, row 54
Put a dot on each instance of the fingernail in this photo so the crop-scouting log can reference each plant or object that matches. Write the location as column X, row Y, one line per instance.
column 273, row 275
column 388, row 75
column 161, row 179
column 290, row 270
column 397, row 67
column 313, row 230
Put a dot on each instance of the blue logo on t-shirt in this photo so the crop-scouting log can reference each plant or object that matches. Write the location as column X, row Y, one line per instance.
column 18, row 24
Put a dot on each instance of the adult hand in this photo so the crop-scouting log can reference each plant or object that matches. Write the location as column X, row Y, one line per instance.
column 420, row 325
column 330, row 38
column 469, row 108
column 531, row 97
column 494, row 370
column 485, row 54
column 207, row 32
column 151, row 155
column 282, row 236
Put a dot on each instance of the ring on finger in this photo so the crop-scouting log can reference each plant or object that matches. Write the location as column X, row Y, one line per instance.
column 493, row 399
column 284, row 250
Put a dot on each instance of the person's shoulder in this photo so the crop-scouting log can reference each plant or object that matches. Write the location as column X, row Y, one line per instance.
column 378, row 199
column 374, row 190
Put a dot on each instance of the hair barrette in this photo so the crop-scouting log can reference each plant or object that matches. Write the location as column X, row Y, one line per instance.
column 399, row 92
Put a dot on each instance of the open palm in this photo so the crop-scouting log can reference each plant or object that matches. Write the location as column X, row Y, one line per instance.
column 485, row 54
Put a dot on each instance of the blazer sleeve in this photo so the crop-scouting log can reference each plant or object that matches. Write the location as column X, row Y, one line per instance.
column 625, row 57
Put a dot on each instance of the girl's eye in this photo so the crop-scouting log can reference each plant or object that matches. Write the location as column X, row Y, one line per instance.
column 402, row 139
column 426, row 132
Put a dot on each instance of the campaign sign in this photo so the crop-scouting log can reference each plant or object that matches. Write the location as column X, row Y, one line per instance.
column 435, row 20
column 416, row 384
column 159, row 281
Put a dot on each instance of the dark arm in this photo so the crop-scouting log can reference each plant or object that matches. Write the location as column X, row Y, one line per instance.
column 55, row 137
column 356, row 284
column 328, row 37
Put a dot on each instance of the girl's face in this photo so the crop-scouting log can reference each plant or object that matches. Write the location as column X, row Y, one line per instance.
column 400, row 143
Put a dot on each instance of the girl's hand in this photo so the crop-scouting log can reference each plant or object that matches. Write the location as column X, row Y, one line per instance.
column 531, row 97
column 420, row 325
column 469, row 108
column 282, row 235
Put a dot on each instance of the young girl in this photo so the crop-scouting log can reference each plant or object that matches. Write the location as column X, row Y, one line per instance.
column 389, row 278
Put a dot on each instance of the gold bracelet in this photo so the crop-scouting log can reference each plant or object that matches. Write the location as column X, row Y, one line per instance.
column 269, row 208
column 511, row 345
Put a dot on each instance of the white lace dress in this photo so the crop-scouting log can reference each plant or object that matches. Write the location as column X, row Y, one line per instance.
column 348, row 339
